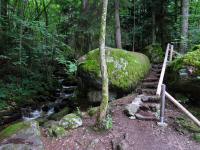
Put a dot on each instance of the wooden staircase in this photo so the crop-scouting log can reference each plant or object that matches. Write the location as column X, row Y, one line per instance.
column 147, row 92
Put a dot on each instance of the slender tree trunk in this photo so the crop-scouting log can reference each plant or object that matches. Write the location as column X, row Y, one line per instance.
column 85, row 5
column 105, row 94
column 153, row 26
column 117, row 26
column 4, row 26
column 184, row 34
column 133, row 47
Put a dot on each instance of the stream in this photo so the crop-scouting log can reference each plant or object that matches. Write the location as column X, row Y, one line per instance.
column 62, row 98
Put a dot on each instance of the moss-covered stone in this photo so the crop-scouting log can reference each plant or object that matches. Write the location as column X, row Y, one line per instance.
column 125, row 69
column 92, row 111
column 70, row 121
column 154, row 52
column 27, row 133
column 191, row 59
column 12, row 129
column 57, row 131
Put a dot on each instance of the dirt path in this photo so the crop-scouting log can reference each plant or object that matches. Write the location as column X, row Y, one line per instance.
column 130, row 134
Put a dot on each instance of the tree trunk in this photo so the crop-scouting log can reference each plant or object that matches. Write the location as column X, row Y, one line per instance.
column 184, row 34
column 153, row 26
column 85, row 5
column 117, row 26
column 105, row 95
column 133, row 47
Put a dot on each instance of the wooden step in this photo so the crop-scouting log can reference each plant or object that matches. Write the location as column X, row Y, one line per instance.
column 151, row 79
column 150, row 84
column 149, row 91
column 154, row 107
column 152, row 99
column 146, row 115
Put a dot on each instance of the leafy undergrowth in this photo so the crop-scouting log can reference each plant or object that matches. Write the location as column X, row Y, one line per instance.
column 154, row 52
column 185, row 124
column 192, row 58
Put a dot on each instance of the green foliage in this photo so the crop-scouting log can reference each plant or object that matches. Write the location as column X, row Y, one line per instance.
column 125, row 69
column 190, row 59
column 92, row 111
column 187, row 124
column 154, row 52
column 107, row 122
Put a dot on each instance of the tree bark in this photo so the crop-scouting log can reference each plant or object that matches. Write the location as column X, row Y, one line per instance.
column 184, row 34
column 105, row 94
column 117, row 26
column 134, row 11
column 153, row 26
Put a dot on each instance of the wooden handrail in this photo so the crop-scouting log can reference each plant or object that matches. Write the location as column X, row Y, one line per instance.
column 175, row 102
column 163, row 70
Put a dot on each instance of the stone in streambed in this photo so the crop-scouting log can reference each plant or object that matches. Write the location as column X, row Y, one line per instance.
column 70, row 121
column 21, row 135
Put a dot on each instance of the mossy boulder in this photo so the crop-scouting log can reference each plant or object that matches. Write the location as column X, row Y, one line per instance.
column 70, row 121
column 183, row 74
column 27, row 132
column 57, row 131
column 154, row 52
column 125, row 69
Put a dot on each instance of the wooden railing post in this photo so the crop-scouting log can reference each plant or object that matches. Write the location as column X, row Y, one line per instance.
column 171, row 53
column 162, row 106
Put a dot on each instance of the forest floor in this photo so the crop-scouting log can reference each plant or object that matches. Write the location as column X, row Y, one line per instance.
column 126, row 133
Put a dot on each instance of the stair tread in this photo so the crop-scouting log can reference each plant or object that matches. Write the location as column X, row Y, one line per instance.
column 145, row 115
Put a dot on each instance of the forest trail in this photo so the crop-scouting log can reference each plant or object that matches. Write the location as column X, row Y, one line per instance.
column 126, row 133
column 129, row 134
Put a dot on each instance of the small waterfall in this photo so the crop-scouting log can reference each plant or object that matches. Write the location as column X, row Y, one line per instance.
column 32, row 115
column 62, row 95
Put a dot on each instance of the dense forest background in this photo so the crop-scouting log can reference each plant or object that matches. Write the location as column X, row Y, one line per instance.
column 39, row 36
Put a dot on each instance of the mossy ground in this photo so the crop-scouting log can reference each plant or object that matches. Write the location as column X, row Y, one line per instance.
column 12, row 129
column 154, row 52
column 186, row 124
column 125, row 69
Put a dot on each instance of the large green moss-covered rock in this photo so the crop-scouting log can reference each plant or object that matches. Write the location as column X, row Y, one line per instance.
column 184, row 74
column 125, row 69
column 154, row 52
column 27, row 134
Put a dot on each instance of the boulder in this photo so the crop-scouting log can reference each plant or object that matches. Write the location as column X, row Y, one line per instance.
column 131, row 109
column 96, row 96
column 125, row 69
column 21, row 135
column 154, row 52
column 70, row 121
column 183, row 74
column 57, row 131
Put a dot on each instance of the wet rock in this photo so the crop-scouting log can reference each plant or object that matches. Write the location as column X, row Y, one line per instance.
column 57, row 131
column 21, row 136
column 70, row 121
column 95, row 96
column 60, row 114
column 132, row 108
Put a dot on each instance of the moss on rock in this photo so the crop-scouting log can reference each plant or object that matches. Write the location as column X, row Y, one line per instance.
column 197, row 137
column 190, row 59
column 125, row 69
column 154, row 52
column 12, row 129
